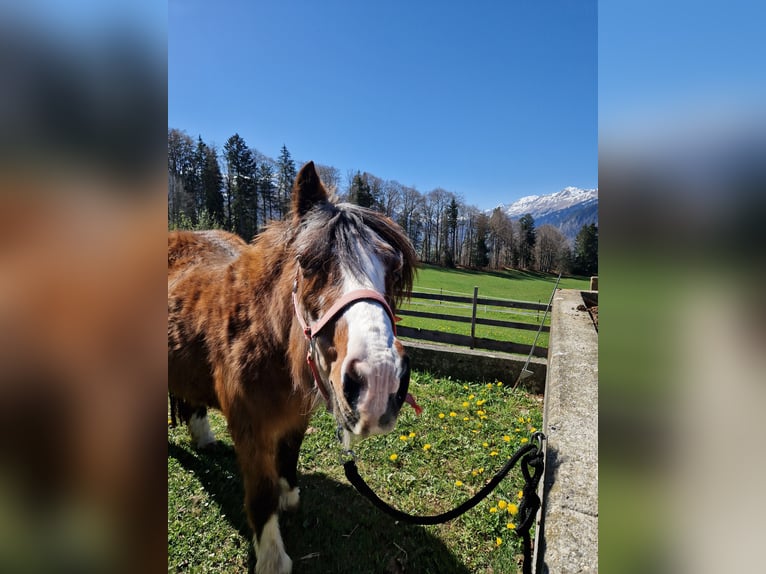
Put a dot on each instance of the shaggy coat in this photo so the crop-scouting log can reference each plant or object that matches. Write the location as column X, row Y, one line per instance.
column 235, row 344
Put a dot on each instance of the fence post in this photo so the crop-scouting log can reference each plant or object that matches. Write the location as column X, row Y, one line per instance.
column 473, row 316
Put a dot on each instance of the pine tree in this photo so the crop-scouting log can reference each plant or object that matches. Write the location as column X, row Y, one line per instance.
column 241, row 187
column 450, row 227
column 586, row 250
column 527, row 240
column 480, row 255
column 181, row 198
column 285, row 179
column 360, row 192
column 212, row 183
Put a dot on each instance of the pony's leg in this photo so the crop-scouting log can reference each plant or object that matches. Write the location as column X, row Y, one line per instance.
column 259, row 473
column 173, row 410
column 198, row 423
column 287, row 460
column 199, row 428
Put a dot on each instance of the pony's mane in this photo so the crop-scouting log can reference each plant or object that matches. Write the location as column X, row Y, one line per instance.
column 338, row 232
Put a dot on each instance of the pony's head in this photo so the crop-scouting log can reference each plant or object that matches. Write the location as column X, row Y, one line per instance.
column 354, row 266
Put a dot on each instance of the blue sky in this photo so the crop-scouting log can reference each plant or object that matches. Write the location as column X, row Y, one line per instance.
column 682, row 63
column 490, row 100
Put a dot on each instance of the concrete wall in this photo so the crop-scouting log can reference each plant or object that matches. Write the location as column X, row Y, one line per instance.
column 475, row 365
column 567, row 533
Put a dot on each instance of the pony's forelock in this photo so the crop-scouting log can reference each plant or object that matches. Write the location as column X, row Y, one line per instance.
column 339, row 232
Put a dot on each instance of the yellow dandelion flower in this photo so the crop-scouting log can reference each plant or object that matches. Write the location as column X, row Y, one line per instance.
column 466, row 418
column 458, row 483
column 532, row 429
column 475, row 431
column 529, row 419
column 499, row 383
column 465, row 404
column 465, row 387
column 485, row 444
column 480, row 413
column 480, row 402
column 441, row 415
column 510, row 526
column 470, row 397
column 524, row 439
column 493, row 510
column 520, row 495
column 453, row 414
column 521, row 420
column 489, row 385
column 513, row 509
column 412, row 434
column 481, row 470
column 474, row 472
column 493, row 453
column 393, row 456
column 498, row 541
column 502, row 504
column 403, row 437
column 426, row 446
column 506, row 438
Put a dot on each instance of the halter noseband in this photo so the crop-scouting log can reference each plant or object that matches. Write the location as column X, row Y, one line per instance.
column 343, row 302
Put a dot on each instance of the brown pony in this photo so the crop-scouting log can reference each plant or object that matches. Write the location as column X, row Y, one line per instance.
column 242, row 319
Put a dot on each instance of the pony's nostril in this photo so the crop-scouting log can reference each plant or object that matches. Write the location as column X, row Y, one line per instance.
column 352, row 387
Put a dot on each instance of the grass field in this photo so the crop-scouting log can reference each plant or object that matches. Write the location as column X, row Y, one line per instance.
column 429, row 464
column 510, row 284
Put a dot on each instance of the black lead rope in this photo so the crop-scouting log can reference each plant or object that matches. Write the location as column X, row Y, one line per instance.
column 531, row 457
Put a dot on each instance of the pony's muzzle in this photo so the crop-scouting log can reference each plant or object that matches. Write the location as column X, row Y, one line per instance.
column 371, row 406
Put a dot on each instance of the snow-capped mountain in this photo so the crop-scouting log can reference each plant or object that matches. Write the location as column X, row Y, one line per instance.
column 539, row 205
column 568, row 210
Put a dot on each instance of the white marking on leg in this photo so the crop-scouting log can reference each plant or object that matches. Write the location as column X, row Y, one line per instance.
column 289, row 498
column 270, row 550
column 199, row 428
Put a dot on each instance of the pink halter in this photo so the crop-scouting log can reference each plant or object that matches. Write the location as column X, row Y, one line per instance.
column 340, row 304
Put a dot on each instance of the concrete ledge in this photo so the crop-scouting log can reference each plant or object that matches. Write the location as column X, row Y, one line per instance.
column 567, row 533
column 475, row 365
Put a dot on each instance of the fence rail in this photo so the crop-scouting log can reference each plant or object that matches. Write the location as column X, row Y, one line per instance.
column 472, row 341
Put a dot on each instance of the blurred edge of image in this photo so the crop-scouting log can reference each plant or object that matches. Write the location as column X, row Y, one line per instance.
column 83, row 117
column 682, row 181
column 82, row 365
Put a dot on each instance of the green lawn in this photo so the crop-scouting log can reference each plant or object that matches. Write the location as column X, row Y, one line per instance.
column 428, row 464
column 511, row 284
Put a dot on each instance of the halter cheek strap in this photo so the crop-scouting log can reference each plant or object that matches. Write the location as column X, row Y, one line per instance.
column 336, row 309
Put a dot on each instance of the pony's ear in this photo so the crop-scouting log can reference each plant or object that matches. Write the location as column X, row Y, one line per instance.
column 308, row 190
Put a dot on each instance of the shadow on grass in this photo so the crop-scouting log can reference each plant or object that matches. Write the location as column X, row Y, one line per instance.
column 334, row 530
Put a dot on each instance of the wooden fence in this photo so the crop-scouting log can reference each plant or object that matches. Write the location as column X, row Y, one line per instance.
column 472, row 341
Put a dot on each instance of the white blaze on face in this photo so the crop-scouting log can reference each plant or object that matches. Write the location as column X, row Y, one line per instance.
column 370, row 351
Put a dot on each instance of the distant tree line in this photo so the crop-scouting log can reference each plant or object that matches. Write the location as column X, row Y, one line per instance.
column 241, row 189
